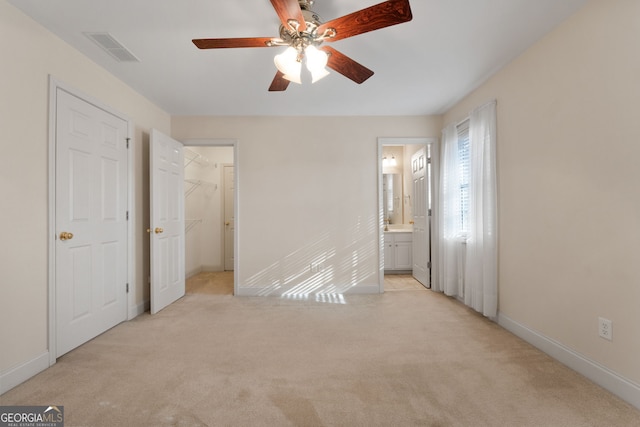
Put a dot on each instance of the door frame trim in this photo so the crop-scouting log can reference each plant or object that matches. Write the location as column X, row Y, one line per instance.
column 227, row 142
column 224, row 202
column 424, row 141
column 54, row 85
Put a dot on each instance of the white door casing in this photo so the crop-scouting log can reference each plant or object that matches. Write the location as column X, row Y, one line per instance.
column 166, row 232
column 229, row 216
column 91, row 205
column 419, row 168
column 236, row 167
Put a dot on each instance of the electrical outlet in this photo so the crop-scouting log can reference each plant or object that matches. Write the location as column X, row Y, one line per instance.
column 605, row 328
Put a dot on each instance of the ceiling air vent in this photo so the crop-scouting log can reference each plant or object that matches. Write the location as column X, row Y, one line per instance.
column 112, row 46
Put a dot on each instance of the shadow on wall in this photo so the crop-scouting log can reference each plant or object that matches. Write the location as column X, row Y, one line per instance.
column 323, row 268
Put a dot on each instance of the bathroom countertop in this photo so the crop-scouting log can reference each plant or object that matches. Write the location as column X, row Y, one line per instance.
column 400, row 229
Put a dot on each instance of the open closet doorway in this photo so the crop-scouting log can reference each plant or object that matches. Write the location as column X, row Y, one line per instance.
column 406, row 202
column 210, row 216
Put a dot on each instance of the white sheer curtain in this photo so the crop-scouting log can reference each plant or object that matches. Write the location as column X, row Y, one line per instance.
column 448, row 274
column 466, row 264
column 481, row 266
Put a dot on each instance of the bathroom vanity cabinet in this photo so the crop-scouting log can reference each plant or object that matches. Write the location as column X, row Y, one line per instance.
column 398, row 251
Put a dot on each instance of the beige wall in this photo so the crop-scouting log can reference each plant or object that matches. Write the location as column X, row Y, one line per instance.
column 30, row 54
column 569, row 223
column 307, row 193
column 568, row 175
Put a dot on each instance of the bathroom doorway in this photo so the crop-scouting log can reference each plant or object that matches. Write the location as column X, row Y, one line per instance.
column 405, row 203
column 210, row 225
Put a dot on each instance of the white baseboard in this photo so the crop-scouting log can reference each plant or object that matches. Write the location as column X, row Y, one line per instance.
column 251, row 292
column 137, row 310
column 194, row 271
column 19, row 374
column 212, row 268
column 599, row 374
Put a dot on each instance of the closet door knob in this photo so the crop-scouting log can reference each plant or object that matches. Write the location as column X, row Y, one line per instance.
column 158, row 230
column 66, row 235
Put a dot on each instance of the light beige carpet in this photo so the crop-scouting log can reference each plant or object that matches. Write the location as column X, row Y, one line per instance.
column 221, row 283
column 404, row 358
column 402, row 282
column 212, row 283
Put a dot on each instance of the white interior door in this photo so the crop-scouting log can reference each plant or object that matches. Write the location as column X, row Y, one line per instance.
column 229, row 217
column 90, row 221
column 419, row 167
column 166, row 165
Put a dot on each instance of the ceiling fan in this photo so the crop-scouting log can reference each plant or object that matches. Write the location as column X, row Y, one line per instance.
column 303, row 33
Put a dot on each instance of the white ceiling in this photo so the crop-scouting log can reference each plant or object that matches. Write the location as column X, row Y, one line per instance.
column 421, row 67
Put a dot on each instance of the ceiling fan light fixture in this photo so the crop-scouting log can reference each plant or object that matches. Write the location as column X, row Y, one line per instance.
column 302, row 31
column 316, row 63
column 288, row 64
column 295, row 78
column 318, row 75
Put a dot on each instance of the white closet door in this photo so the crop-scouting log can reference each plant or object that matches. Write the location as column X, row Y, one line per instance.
column 167, row 231
column 91, row 221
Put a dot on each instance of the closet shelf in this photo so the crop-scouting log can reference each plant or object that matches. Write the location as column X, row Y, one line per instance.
column 191, row 156
column 195, row 183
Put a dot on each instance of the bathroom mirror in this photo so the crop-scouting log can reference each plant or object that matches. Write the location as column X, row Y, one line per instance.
column 392, row 196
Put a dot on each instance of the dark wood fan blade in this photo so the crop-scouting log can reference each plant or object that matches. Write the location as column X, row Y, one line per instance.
column 382, row 15
column 229, row 43
column 289, row 9
column 279, row 83
column 347, row 66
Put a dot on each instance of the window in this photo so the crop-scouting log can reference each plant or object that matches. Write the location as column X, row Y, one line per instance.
column 466, row 253
column 464, row 174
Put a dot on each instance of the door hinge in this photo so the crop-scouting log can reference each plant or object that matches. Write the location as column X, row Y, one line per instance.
column 128, row 139
column 429, row 265
column 429, row 212
column 428, row 159
column 127, row 215
column 127, row 288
